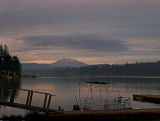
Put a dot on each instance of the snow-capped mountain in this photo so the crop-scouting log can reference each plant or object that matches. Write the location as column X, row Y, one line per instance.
column 68, row 63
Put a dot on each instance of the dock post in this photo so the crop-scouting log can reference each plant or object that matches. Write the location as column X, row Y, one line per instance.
column 91, row 89
column 30, row 99
column 79, row 90
column 13, row 94
column 49, row 101
column 45, row 100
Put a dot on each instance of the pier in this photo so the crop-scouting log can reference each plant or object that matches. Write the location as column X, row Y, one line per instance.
column 28, row 103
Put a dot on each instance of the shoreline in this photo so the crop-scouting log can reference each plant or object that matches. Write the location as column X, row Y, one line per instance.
column 145, row 77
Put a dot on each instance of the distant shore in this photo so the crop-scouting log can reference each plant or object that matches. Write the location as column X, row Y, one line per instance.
column 97, row 76
column 28, row 76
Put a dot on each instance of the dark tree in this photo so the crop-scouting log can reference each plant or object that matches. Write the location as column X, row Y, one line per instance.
column 9, row 63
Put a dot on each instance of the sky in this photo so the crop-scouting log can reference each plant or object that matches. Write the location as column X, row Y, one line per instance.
column 92, row 31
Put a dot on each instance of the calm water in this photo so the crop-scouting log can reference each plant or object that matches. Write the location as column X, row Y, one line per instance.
column 67, row 88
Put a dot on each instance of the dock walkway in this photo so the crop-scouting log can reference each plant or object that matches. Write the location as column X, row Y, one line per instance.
column 28, row 103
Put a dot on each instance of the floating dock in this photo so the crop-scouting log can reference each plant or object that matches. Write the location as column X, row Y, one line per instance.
column 147, row 98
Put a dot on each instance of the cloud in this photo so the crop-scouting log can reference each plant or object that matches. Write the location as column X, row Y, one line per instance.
column 122, row 18
column 57, row 27
column 86, row 42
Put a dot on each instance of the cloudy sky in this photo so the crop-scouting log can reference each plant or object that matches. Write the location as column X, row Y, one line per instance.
column 92, row 31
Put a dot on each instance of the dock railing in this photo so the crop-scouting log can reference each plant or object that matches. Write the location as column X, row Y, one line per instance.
column 28, row 102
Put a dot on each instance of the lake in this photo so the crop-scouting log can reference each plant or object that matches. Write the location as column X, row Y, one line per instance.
column 68, row 89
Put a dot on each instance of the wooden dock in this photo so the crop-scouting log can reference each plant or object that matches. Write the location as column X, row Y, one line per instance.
column 108, row 112
column 23, row 106
column 28, row 103
column 147, row 98
column 109, row 115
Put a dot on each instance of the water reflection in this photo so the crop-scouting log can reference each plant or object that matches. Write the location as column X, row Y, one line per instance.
column 67, row 88
column 5, row 92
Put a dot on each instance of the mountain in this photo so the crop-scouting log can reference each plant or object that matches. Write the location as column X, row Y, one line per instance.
column 58, row 64
column 68, row 63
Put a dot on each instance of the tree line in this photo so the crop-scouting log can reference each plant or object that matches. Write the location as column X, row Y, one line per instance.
column 134, row 69
column 9, row 63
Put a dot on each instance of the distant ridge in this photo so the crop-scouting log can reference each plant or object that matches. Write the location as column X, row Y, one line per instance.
column 70, row 62
column 34, row 66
